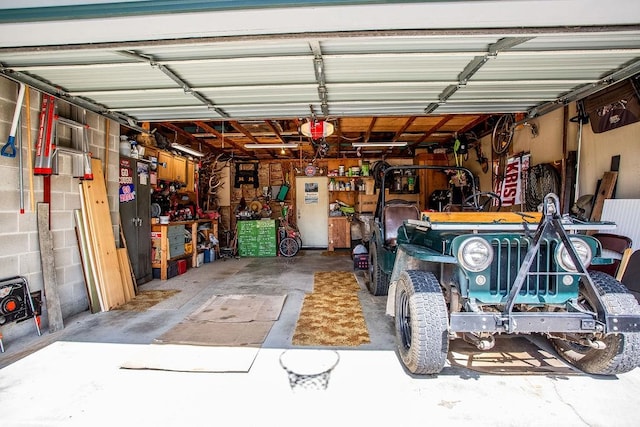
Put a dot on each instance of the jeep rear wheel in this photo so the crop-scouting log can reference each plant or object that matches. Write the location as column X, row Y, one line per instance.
column 378, row 283
column 622, row 352
column 421, row 323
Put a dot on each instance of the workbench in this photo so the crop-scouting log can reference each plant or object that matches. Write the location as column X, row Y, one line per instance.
column 161, row 244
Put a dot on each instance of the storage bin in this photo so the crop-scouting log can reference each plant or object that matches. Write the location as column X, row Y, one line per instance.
column 182, row 266
column 209, row 255
column 172, row 269
column 200, row 259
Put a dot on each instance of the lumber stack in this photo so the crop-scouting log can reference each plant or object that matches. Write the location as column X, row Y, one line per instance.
column 103, row 264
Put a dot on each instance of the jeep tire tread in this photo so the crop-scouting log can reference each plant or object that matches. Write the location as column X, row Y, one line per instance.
column 378, row 283
column 421, row 323
column 622, row 353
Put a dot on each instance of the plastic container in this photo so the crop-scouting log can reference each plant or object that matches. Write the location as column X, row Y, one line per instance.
column 134, row 151
column 125, row 146
column 182, row 266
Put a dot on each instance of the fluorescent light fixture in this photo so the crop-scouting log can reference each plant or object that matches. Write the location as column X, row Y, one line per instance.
column 269, row 146
column 186, row 150
column 378, row 144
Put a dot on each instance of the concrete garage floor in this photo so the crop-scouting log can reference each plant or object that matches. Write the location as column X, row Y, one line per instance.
column 73, row 377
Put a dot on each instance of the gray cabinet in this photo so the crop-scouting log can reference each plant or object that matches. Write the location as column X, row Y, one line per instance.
column 135, row 214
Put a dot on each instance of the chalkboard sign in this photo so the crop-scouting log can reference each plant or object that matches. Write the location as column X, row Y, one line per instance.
column 257, row 238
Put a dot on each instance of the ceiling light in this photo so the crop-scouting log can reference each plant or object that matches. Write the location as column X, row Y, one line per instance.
column 317, row 129
column 187, row 150
column 269, row 146
column 378, row 144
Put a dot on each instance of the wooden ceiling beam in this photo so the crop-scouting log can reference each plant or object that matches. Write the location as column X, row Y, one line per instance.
column 367, row 135
column 179, row 131
column 474, row 123
column 403, row 128
column 275, row 131
column 434, row 129
column 220, row 136
column 237, row 126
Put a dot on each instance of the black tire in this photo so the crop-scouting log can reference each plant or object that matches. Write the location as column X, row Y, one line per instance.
column 288, row 247
column 622, row 353
column 378, row 283
column 421, row 323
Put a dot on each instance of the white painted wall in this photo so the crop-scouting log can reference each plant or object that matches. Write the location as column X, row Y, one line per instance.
column 596, row 152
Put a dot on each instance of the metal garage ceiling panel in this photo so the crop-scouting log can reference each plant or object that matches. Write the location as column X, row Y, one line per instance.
column 245, row 71
column 398, row 91
column 488, row 107
column 268, row 111
column 383, row 108
column 401, row 67
column 503, row 91
column 582, row 40
column 119, row 99
column 101, row 76
column 553, row 65
column 261, row 94
column 404, row 44
column 175, row 113
column 228, row 49
column 367, row 75
column 60, row 57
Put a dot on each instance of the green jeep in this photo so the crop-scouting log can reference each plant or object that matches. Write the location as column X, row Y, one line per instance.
column 472, row 275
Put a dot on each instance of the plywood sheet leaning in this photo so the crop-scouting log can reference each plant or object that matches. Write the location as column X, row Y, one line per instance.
column 605, row 191
column 98, row 217
column 127, row 283
column 88, row 265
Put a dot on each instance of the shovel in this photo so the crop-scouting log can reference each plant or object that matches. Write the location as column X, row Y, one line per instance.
column 9, row 149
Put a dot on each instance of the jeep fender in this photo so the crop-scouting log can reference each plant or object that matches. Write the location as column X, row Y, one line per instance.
column 414, row 257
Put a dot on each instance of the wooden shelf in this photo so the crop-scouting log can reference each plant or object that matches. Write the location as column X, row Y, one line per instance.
column 163, row 229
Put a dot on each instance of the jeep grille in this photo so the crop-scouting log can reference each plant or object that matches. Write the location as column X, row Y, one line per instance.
column 508, row 256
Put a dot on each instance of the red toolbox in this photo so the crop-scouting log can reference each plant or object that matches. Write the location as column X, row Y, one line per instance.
column 182, row 266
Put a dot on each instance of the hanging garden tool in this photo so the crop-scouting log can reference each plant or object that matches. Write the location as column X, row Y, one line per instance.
column 9, row 149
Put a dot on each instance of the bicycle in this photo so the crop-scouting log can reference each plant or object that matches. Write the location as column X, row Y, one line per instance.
column 289, row 239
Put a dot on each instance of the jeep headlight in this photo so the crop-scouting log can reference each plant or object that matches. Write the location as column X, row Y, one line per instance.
column 475, row 254
column 583, row 250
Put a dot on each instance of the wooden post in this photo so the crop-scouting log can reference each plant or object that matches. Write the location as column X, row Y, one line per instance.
column 605, row 191
column 54, row 313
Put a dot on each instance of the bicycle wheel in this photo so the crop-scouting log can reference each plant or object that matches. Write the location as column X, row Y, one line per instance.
column 288, row 247
column 502, row 134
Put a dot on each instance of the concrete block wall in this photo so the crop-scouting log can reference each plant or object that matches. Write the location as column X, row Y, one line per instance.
column 19, row 243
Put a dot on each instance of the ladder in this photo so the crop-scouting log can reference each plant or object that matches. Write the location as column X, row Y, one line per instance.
column 48, row 149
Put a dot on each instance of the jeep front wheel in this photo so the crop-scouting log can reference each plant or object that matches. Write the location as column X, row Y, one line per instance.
column 378, row 283
column 622, row 352
column 421, row 323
